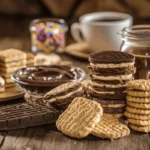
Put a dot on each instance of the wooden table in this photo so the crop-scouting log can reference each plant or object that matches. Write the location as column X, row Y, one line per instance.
column 48, row 138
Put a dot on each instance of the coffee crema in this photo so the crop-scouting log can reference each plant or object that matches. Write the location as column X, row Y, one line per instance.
column 106, row 20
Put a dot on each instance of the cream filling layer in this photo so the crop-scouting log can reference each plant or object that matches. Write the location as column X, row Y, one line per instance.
column 105, row 92
column 120, row 77
column 65, row 96
column 121, row 65
column 108, row 85
column 113, row 105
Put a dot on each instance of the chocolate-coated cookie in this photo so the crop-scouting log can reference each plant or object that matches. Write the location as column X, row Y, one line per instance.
column 111, row 57
column 64, row 94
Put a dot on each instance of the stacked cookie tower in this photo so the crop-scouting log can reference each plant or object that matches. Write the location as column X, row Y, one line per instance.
column 110, row 72
column 138, row 105
column 10, row 61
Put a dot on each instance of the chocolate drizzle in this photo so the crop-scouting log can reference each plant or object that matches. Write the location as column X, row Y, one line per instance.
column 48, row 75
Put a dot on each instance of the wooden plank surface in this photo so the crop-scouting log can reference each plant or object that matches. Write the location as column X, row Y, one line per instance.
column 48, row 138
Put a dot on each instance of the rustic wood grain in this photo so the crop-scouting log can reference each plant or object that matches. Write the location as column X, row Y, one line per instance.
column 48, row 138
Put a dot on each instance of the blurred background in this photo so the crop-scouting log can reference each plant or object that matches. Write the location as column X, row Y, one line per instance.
column 15, row 15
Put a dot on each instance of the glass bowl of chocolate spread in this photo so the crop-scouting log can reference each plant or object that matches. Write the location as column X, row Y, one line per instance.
column 136, row 40
column 38, row 80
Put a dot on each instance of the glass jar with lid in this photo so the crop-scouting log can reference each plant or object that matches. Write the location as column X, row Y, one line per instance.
column 48, row 35
column 136, row 40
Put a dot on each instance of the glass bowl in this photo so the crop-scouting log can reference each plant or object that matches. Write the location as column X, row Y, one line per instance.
column 38, row 80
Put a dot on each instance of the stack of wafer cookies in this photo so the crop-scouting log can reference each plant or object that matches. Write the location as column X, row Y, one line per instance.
column 110, row 72
column 84, row 116
column 138, row 105
column 10, row 61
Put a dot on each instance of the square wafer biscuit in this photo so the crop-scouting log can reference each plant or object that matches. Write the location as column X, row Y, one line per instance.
column 9, row 70
column 11, row 55
column 110, row 128
column 13, row 64
column 79, row 119
column 2, row 84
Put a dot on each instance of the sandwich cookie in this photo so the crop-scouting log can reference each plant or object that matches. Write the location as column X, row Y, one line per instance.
column 61, row 96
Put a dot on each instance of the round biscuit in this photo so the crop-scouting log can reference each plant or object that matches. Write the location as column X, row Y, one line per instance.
column 145, row 129
column 139, row 105
column 139, row 122
column 138, row 99
column 140, row 84
column 136, row 116
column 138, row 93
column 137, row 111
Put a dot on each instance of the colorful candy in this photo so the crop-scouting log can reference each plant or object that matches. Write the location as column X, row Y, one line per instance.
column 48, row 37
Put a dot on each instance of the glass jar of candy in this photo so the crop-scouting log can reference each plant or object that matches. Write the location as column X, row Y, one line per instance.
column 48, row 35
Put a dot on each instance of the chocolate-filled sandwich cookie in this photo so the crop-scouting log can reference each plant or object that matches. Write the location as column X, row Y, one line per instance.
column 110, row 72
column 61, row 96
column 114, row 107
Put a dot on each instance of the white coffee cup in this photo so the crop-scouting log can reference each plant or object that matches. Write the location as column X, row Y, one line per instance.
column 101, row 35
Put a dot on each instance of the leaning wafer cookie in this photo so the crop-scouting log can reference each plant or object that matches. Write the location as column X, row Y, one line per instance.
column 141, row 84
column 138, row 105
column 79, row 119
column 110, row 128
column 139, row 128
column 138, row 93
column 138, row 111
column 138, row 100
column 139, row 122
column 136, row 116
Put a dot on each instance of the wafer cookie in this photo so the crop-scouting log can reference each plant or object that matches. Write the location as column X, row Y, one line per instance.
column 136, row 116
column 79, row 119
column 140, row 128
column 138, row 105
column 138, row 111
column 140, row 84
column 10, row 69
column 110, row 128
column 11, row 55
column 13, row 64
column 138, row 100
column 137, row 93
